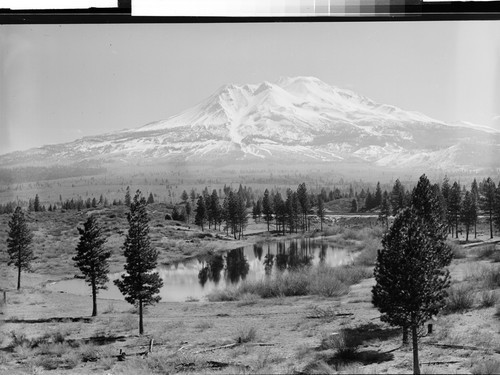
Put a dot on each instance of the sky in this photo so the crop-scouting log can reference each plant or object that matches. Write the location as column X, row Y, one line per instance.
column 62, row 82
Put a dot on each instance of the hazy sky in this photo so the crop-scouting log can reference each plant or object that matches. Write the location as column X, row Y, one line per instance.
column 62, row 82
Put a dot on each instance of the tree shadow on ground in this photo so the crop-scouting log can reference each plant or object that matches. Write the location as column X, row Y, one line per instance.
column 346, row 343
column 370, row 331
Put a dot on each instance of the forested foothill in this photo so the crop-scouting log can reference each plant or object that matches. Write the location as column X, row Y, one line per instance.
column 420, row 294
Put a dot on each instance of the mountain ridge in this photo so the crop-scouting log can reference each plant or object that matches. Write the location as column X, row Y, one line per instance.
column 299, row 119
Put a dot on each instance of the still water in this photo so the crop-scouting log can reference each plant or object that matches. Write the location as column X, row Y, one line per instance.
column 198, row 277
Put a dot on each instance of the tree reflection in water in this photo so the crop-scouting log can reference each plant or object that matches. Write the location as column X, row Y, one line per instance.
column 214, row 263
column 268, row 261
column 237, row 266
column 257, row 251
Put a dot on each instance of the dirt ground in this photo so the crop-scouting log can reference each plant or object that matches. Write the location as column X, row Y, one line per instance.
column 252, row 335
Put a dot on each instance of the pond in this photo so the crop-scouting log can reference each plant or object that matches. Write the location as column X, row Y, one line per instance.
column 195, row 278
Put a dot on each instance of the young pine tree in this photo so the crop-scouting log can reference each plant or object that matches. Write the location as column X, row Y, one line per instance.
column 139, row 284
column 18, row 244
column 151, row 199
column 127, row 197
column 410, row 273
column 92, row 259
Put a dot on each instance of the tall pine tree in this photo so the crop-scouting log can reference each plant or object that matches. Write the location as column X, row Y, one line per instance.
column 468, row 213
column 139, row 284
column 410, row 274
column 267, row 208
column 18, row 244
column 487, row 191
column 92, row 259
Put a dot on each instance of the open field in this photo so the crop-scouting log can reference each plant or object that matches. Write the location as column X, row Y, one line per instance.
column 49, row 332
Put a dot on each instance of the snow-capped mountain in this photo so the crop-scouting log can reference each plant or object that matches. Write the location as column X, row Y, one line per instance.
column 300, row 119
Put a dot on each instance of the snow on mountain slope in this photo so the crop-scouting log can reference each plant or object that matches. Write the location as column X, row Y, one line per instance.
column 293, row 119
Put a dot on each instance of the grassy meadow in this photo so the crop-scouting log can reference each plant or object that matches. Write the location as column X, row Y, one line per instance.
column 313, row 320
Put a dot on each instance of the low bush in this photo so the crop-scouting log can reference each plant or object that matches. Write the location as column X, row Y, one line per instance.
column 457, row 250
column 344, row 345
column 488, row 299
column 492, row 278
column 223, row 295
column 246, row 334
column 322, row 280
column 486, row 252
column 487, row 367
column 460, row 298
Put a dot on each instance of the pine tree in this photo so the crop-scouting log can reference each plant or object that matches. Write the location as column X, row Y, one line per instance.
column 127, row 197
column 201, row 212
column 487, row 191
column 215, row 208
column 397, row 197
column 475, row 196
column 354, row 205
column 139, row 285
column 377, row 199
column 280, row 212
column 454, row 201
column 385, row 210
column 267, row 209
column 151, row 199
column 410, row 274
column 496, row 213
column 303, row 198
column 18, row 244
column 241, row 214
column 468, row 213
column 36, row 204
column 321, row 211
column 92, row 258
column 188, row 211
column 184, row 196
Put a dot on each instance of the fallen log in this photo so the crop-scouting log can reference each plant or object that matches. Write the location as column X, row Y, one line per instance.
column 216, row 348
column 228, row 346
column 439, row 362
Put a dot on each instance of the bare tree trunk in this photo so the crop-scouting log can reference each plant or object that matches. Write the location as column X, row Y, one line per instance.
column 416, row 366
column 491, row 225
column 405, row 335
column 141, row 324
column 19, row 277
column 94, row 299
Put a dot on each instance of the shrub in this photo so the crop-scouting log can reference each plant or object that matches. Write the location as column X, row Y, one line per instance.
column 246, row 334
column 460, row 298
column 486, row 252
column 492, row 278
column 345, row 346
column 222, row 295
column 487, row 367
column 458, row 251
column 322, row 280
column 488, row 299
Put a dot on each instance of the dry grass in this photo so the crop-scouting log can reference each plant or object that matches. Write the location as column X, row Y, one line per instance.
column 323, row 280
column 487, row 367
column 460, row 298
